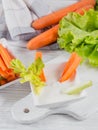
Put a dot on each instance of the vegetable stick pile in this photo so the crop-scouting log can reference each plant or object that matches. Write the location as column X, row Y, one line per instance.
column 50, row 36
column 6, row 73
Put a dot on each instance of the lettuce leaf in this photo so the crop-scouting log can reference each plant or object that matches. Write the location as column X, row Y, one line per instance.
column 80, row 33
column 30, row 73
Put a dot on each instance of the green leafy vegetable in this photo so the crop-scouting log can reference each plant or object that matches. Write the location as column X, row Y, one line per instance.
column 78, row 89
column 96, row 6
column 80, row 33
column 30, row 74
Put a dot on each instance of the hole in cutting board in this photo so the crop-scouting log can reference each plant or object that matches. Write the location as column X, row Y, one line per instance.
column 26, row 110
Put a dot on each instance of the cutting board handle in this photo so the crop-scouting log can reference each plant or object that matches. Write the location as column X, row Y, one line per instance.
column 25, row 112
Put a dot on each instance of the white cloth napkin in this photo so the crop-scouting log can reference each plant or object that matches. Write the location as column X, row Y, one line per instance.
column 16, row 16
column 19, row 15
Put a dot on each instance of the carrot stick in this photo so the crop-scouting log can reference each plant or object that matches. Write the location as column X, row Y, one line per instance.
column 3, row 74
column 2, row 82
column 38, row 55
column 44, row 38
column 5, row 55
column 10, row 54
column 72, row 77
column 11, row 75
column 56, row 16
column 71, row 69
column 42, row 75
column 68, row 64
column 2, row 64
column 83, row 9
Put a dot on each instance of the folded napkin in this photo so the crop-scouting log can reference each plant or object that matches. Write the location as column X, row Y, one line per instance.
column 16, row 16
column 19, row 14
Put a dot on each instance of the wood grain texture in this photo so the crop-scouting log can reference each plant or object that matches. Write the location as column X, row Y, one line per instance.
column 10, row 95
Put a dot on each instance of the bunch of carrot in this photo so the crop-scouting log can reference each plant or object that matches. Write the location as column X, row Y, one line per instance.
column 6, row 74
column 50, row 36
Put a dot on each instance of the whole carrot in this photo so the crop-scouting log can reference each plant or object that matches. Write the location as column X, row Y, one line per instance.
column 83, row 9
column 56, row 16
column 49, row 36
column 44, row 38
column 92, row 2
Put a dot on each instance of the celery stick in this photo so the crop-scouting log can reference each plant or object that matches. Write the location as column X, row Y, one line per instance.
column 78, row 89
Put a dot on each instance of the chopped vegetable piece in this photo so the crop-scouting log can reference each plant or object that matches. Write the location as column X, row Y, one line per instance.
column 42, row 75
column 72, row 77
column 78, row 89
column 5, row 55
column 30, row 74
column 2, row 64
column 70, row 67
column 3, row 74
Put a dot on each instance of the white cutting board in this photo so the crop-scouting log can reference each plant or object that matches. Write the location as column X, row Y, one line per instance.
column 52, row 94
column 24, row 110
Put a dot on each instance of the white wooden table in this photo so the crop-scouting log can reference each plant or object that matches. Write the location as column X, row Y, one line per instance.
column 11, row 94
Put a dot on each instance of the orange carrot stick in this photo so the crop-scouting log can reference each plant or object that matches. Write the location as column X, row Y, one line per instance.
column 71, row 69
column 56, row 16
column 72, row 77
column 44, row 38
column 3, row 74
column 2, row 64
column 11, row 75
column 68, row 64
column 38, row 55
column 2, row 82
column 42, row 75
column 10, row 54
column 83, row 9
column 5, row 55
